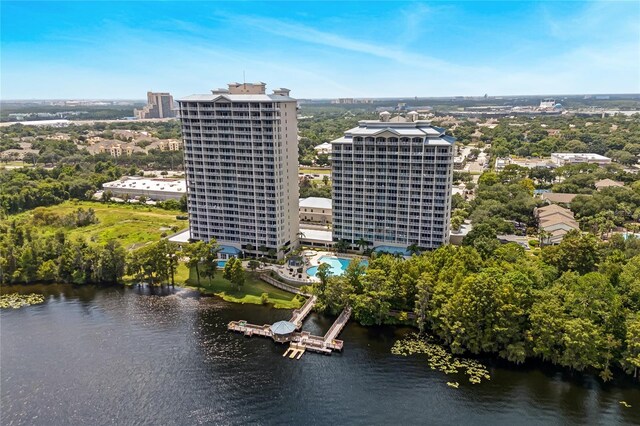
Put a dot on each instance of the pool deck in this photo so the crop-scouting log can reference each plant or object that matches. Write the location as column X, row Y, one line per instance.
column 315, row 259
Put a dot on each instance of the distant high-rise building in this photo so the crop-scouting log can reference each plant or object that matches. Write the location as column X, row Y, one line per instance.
column 241, row 162
column 392, row 183
column 159, row 105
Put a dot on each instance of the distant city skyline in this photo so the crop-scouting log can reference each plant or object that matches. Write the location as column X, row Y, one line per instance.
column 102, row 50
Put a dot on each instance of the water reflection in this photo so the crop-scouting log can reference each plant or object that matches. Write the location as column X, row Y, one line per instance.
column 138, row 356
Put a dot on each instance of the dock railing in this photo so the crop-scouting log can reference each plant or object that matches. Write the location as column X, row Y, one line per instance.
column 300, row 314
column 338, row 325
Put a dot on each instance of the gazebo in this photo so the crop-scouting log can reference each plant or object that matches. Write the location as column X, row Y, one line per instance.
column 282, row 330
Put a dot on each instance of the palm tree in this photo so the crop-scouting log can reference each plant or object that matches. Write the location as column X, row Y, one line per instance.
column 543, row 237
column 253, row 265
column 363, row 244
column 414, row 249
column 341, row 246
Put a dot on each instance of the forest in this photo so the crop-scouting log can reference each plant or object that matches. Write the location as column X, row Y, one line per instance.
column 576, row 305
column 41, row 248
column 26, row 188
column 324, row 126
column 617, row 137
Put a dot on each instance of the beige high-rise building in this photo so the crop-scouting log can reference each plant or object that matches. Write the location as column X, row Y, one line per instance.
column 241, row 162
column 159, row 105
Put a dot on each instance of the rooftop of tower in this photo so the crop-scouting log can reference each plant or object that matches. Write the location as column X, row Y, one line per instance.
column 398, row 126
column 252, row 92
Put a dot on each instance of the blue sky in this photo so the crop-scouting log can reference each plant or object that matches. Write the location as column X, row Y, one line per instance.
column 324, row 49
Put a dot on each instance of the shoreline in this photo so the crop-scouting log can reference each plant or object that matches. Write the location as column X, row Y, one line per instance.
column 621, row 379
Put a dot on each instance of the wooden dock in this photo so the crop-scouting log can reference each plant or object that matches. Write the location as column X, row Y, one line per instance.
column 338, row 324
column 250, row 329
column 294, row 352
column 300, row 314
column 299, row 341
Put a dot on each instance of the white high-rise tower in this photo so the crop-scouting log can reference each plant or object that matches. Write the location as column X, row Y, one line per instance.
column 392, row 183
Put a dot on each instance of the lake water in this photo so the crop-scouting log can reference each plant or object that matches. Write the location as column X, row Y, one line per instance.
column 122, row 356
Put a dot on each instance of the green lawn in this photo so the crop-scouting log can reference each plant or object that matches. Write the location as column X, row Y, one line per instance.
column 249, row 293
column 134, row 225
column 311, row 171
column 14, row 164
column 131, row 225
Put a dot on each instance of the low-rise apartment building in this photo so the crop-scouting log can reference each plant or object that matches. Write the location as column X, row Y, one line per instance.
column 315, row 210
column 556, row 222
column 323, row 148
column 558, row 198
column 607, row 183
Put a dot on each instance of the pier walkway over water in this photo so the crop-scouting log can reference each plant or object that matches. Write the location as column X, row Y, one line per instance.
column 300, row 314
column 338, row 325
column 299, row 341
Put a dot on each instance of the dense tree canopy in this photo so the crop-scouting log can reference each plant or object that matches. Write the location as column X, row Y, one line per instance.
column 26, row 188
column 574, row 306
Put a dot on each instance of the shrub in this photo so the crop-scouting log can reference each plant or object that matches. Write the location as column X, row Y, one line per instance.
column 264, row 298
column 533, row 243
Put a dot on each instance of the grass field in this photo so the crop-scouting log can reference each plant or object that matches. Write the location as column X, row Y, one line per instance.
column 15, row 164
column 311, row 171
column 319, row 182
column 134, row 225
column 250, row 292
column 131, row 225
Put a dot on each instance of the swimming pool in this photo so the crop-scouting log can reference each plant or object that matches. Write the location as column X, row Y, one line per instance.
column 338, row 265
column 221, row 263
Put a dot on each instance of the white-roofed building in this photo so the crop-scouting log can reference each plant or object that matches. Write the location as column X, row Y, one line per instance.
column 155, row 189
column 323, row 148
column 564, row 158
column 315, row 210
column 316, row 238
